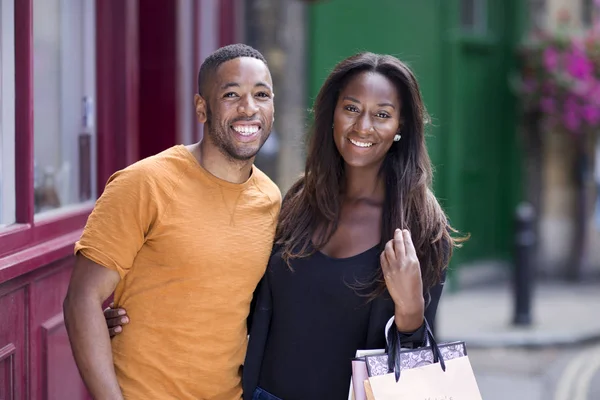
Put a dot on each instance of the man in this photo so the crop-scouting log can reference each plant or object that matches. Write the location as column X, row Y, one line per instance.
column 182, row 236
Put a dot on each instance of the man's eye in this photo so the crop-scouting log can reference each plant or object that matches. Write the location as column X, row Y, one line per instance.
column 263, row 95
column 230, row 94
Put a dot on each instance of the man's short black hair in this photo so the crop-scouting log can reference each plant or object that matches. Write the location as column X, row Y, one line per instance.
column 219, row 56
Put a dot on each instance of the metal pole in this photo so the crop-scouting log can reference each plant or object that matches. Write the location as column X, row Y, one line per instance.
column 524, row 270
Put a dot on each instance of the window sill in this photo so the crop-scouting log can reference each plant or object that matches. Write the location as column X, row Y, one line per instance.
column 59, row 213
column 47, row 227
column 37, row 256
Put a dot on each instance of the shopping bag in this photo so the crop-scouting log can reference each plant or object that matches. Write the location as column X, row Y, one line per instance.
column 369, row 391
column 375, row 362
column 360, row 374
column 457, row 381
column 378, row 364
column 434, row 371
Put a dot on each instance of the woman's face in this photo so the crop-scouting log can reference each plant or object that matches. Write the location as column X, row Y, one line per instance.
column 366, row 119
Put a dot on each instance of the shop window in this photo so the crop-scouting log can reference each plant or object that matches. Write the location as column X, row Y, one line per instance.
column 64, row 99
column 7, row 114
column 473, row 17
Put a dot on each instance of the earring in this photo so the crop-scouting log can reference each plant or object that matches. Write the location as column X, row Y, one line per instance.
column 397, row 138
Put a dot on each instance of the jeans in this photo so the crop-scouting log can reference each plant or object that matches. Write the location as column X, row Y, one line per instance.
column 260, row 394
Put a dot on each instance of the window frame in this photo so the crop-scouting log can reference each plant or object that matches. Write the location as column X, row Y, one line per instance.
column 31, row 242
column 7, row 110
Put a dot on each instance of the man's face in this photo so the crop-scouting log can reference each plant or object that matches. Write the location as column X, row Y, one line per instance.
column 239, row 107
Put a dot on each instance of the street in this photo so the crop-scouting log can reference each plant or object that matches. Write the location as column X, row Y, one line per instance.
column 550, row 373
column 557, row 357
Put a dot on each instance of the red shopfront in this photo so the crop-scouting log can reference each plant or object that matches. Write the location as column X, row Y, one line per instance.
column 87, row 87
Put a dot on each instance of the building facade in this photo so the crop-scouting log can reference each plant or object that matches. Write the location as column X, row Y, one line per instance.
column 88, row 87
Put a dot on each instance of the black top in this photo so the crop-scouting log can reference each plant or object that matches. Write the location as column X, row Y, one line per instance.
column 309, row 321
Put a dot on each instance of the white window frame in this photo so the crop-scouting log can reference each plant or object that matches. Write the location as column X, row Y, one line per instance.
column 7, row 115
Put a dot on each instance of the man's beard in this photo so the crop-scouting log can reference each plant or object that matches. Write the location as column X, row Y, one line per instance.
column 219, row 136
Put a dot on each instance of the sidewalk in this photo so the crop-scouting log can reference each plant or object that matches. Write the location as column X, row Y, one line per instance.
column 562, row 313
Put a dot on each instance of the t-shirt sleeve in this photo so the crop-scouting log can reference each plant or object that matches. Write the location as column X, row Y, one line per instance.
column 119, row 224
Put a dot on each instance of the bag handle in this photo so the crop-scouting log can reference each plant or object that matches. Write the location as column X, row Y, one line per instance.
column 394, row 348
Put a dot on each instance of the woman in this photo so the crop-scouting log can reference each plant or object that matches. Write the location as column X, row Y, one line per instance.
column 361, row 238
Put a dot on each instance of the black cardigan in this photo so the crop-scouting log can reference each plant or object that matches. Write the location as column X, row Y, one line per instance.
column 260, row 318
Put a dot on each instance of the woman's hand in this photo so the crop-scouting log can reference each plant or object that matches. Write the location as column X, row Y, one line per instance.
column 402, row 273
column 115, row 319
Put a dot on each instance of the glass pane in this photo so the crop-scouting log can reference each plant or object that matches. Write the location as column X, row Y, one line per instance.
column 64, row 94
column 7, row 113
column 467, row 13
column 473, row 16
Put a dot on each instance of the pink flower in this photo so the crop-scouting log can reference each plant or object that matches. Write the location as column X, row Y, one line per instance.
column 591, row 114
column 584, row 86
column 550, row 58
column 578, row 65
column 547, row 105
column 594, row 93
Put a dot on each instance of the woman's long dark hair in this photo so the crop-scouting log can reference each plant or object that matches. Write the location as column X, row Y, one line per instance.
column 311, row 208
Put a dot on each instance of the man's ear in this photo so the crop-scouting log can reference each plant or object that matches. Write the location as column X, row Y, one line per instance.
column 201, row 108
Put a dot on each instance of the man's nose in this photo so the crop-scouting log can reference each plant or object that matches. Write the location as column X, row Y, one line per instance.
column 248, row 106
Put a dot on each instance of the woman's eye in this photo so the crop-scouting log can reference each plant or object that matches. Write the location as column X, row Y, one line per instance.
column 351, row 108
column 383, row 115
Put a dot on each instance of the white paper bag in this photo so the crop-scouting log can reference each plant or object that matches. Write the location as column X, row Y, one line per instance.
column 429, row 383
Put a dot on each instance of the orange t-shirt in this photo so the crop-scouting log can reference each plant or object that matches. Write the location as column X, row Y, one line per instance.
column 190, row 250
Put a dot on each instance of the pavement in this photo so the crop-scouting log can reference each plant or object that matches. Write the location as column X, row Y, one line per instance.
column 562, row 314
column 556, row 358
column 542, row 373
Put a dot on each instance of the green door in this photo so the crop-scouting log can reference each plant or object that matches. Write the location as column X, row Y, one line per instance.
column 480, row 113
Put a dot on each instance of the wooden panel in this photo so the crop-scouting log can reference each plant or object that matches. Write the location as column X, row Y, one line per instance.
column 54, row 374
column 60, row 366
column 13, row 332
column 7, row 372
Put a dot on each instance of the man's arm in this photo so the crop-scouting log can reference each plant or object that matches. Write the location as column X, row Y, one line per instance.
column 90, row 285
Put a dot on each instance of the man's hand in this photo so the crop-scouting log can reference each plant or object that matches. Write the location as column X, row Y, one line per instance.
column 402, row 273
column 90, row 285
